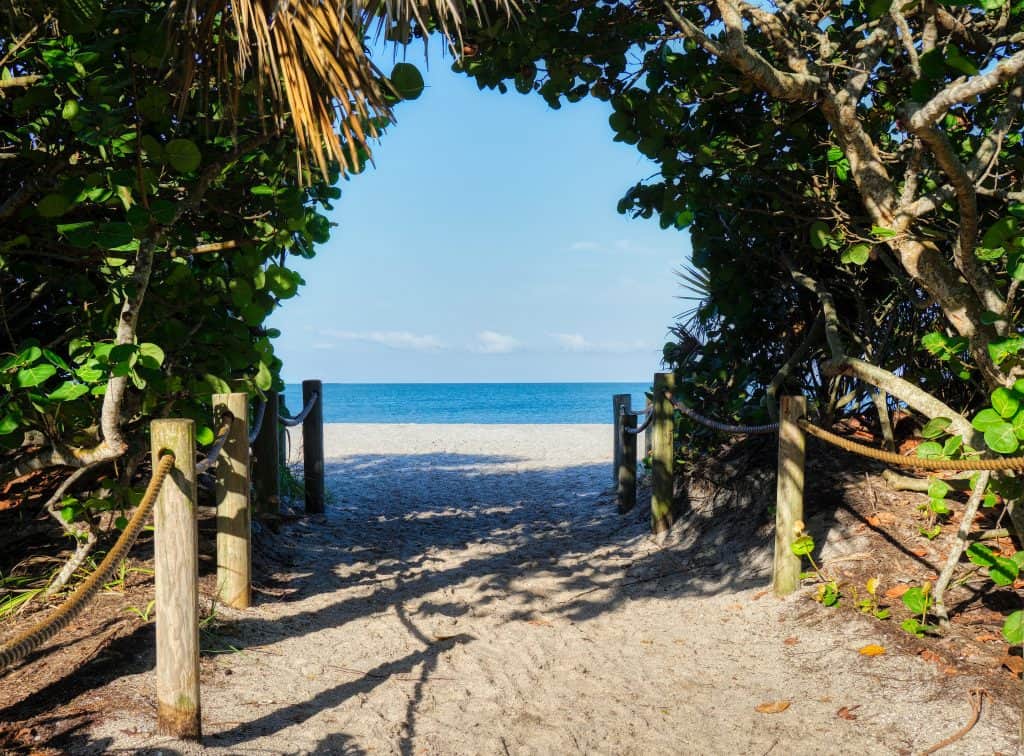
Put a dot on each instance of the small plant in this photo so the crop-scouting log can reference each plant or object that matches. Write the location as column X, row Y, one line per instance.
column 919, row 600
column 145, row 614
column 869, row 604
column 828, row 590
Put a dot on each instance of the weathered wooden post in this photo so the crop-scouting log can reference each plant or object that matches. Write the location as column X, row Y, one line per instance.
column 176, row 558
column 313, row 447
column 626, row 493
column 789, row 501
column 621, row 403
column 266, row 476
column 663, row 512
column 232, row 494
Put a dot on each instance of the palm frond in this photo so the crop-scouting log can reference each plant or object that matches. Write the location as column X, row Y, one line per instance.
column 309, row 57
column 694, row 321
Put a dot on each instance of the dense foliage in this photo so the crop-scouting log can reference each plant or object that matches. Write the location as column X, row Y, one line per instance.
column 874, row 148
column 147, row 220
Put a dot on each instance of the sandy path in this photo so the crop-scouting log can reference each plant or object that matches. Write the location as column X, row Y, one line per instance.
column 472, row 591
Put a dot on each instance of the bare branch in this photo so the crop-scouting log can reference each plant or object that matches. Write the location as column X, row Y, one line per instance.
column 964, row 89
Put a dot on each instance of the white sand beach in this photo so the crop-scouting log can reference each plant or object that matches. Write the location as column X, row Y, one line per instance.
column 472, row 590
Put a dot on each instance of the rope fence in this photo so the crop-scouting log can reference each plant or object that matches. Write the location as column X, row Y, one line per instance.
column 25, row 643
column 299, row 419
column 791, row 429
column 171, row 497
column 257, row 424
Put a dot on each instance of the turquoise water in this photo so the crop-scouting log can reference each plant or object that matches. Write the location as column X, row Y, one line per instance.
column 501, row 403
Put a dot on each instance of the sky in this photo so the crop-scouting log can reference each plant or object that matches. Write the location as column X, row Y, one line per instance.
column 484, row 245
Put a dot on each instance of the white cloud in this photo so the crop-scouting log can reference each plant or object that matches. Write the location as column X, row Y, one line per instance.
column 492, row 342
column 571, row 342
column 403, row 340
column 577, row 342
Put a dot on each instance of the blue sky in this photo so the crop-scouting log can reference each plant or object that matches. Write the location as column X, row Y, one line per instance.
column 484, row 245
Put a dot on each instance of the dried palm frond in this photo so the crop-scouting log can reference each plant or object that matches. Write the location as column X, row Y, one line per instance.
column 309, row 58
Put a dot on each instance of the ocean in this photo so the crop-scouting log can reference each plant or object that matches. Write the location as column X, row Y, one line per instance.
column 485, row 403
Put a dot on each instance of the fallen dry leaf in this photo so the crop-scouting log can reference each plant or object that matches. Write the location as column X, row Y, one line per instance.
column 538, row 622
column 920, row 552
column 929, row 655
column 872, row 649
column 1013, row 663
column 847, row 712
column 791, row 641
column 761, row 594
column 772, row 707
column 873, row 521
column 896, row 591
column 986, row 637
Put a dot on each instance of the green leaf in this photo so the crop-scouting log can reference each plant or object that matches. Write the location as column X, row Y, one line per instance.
column 264, row 379
column 881, row 232
column 81, row 235
column 69, row 512
column 53, row 205
column 1000, row 232
column 8, row 424
column 1013, row 628
column 835, row 154
column 986, row 419
column 913, row 627
column 183, row 155
column 205, row 435
column 68, row 392
column 803, row 545
column 938, row 506
column 958, row 62
column 262, row 190
column 1005, row 402
column 151, row 356
column 1002, row 439
column 1000, row 349
column 33, row 376
column 1004, row 571
column 818, row 235
column 938, row 488
column 952, row 446
column 113, row 236
column 929, row 450
column 935, row 427
column 981, row 555
column 407, row 81
column 916, row 600
column 858, row 254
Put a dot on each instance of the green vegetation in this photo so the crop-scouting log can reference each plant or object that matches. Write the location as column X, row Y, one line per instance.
column 161, row 165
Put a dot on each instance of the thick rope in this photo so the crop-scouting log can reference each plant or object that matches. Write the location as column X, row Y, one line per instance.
column 211, row 456
column 747, row 430
column 28, row 641
column 258, row 424
column 960, row 465
column 291, row 422
column 643, row 426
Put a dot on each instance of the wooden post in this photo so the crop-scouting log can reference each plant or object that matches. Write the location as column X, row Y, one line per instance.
column 627, row 465
column 620, row 403
column 663, row 511
column 232, row 495
column 313, row 447
column 176, row 560
column 267, row 488
column 789, row 497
